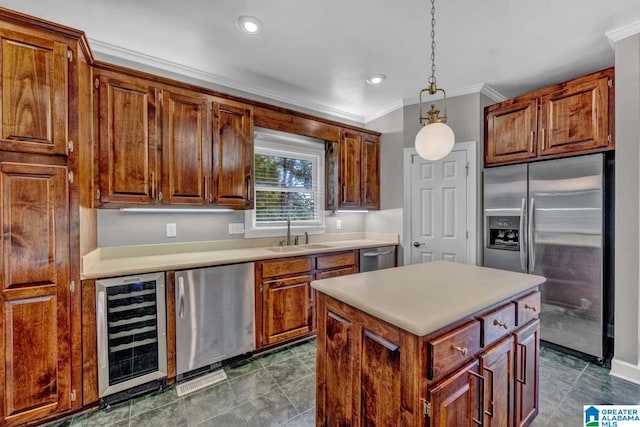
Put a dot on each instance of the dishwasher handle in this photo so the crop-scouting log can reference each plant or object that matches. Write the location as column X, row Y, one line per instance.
column 181, row 297
column 377, row 253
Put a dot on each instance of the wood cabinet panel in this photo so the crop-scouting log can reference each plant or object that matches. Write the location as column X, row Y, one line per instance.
column 186, row 148
column 575, row 118
column 526, row 373
column 338, row 365
column 370, row 175
column 451, row 350
column 527, row 308
column 511, row 132
column 233, row 155
column 380, row 384
column 129, row 170
column 284, row 266
column 497, row 324
column 286, row 308
column 343, row 259
column 35, row 280
column 496, row 366
column 455, row 401
column 34, row 93
column 350, row 185
column 336, row 273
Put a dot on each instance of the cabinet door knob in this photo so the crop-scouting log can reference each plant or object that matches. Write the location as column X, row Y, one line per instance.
column 418, row 244
column 530, row 307
column 462, row 350
column 496, row 322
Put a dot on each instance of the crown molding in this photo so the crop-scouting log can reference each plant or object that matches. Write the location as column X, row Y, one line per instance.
column 466, row 90
column 114, row 51
column 623, row 32
column 388, row 109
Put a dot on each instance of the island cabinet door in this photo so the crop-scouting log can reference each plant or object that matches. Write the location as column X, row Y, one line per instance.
column 496, row 366
column 457, row 400
column 286, row 308
column 526, row 374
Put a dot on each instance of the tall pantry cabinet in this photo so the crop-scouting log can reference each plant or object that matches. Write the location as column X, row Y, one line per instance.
column 42, row 66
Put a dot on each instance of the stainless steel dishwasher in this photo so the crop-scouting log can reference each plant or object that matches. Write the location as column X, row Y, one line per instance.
column 377, row 258
column 214, row 315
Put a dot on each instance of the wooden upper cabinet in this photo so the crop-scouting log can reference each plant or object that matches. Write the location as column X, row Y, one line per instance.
column 233, row 155
column 34, row 93
column 186, row 148
column 127, row 139
column 35, row 333
column 370, row 172
column 570, row 118
column 350, row 173
column 575, row 117
column 511, row 132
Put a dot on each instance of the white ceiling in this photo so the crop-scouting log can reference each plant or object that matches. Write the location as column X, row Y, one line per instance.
column 317, row 54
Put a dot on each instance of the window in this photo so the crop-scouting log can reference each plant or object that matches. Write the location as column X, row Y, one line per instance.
column 289, row 184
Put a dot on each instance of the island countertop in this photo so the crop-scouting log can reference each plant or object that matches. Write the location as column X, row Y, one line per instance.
column 422, row 298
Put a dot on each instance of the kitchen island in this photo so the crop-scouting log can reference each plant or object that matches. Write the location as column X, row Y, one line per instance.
column 439, row 344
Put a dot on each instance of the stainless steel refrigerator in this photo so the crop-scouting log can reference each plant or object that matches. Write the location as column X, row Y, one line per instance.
column 554, row 218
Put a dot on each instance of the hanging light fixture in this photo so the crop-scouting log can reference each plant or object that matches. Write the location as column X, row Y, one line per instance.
column 435, row 140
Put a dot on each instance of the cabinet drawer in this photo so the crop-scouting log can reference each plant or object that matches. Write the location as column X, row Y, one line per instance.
column 289, row 281
column 527, row 308
column 284, row 266
column 497, row 324
column 336, row 260
column 336, row 273
column 452, row 350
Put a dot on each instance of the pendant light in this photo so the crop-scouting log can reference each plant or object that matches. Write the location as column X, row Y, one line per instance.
column 435, row 140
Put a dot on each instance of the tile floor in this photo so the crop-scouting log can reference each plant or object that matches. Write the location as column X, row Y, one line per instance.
column 278, row 389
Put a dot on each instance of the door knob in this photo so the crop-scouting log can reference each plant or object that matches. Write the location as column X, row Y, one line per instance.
column 418, row 244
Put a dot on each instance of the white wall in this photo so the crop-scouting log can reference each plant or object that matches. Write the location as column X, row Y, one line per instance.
column 626, row 362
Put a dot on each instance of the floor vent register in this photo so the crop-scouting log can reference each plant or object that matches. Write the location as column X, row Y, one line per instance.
column 201, row 382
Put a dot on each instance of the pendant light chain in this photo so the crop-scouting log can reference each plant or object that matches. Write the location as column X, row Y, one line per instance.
column 432, row 79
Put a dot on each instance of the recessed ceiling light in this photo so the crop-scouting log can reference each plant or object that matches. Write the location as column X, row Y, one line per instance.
column 376, row 79
column 249, row 24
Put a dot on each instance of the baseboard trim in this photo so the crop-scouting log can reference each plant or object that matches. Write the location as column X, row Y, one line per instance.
column 625, row 370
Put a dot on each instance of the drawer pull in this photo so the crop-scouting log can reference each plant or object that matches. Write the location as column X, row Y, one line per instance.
column 496, row 322
column 460, row 350
column 530, row 307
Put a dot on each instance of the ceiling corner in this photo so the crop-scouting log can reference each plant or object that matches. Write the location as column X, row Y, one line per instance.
column 623, row 32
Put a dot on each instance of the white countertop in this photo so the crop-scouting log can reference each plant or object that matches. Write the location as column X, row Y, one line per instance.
column 124, row 260
column 422, row 298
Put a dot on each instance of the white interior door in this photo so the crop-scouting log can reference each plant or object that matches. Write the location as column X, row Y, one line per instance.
column 439, row 208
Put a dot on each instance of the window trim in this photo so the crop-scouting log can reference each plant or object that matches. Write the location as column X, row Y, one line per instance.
column 267, row 141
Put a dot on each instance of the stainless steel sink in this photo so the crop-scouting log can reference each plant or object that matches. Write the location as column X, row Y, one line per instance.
column 316, row 246
column 285, row 249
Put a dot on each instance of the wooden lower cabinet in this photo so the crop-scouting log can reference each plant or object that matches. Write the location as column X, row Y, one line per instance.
column 285, row 302
column 286, row 308
column 371, row 373
column 455, row 401
column 527, row 342
column 35, row 329
column 496, row 368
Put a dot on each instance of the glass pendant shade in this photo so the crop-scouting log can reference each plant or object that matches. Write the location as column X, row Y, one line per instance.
column 434, row 141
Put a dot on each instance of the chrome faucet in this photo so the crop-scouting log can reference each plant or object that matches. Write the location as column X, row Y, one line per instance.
column 306, row 238
column 288, row 231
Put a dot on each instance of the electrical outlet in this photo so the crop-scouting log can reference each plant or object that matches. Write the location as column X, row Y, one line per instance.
column 338, row 224
column 236, row 228
column 172, row 230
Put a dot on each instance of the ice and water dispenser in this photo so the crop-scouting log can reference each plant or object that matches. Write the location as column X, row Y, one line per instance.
column 503, row 232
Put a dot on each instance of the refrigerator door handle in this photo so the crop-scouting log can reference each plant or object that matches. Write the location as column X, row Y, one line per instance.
column 523, row 252
column 532, row 253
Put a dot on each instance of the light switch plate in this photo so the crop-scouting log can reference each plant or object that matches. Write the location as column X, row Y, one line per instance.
column 172, row 230
column 236, row 228
column 338, row 224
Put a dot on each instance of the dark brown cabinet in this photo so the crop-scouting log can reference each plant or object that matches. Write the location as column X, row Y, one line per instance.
column 526, row 373
column 570, row 118
column 186, row 149
column 233, row 155
column 36, row 302
column 127, row 139
column 285, row 302
column 353, row 171
column 34, row 92
column 455, row 401
column 496, row 368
